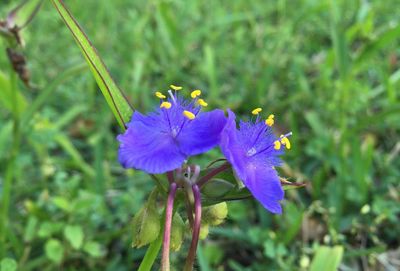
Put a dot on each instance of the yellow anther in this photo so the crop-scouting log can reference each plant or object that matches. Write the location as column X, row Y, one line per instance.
column 256, row 111
column 165, row 105
column 285, row 141
column 195, row 93
column 189, row 114
column 271, row 116
column 175, row 87
column 202, row 102
column 160, row 95
column 269, row 121
column 277, row 145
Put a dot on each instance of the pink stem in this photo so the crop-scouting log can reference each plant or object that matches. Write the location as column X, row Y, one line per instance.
column 189, row 210
column 167, row 227
column 196, row 229
column 203, row 180
column 170, row 177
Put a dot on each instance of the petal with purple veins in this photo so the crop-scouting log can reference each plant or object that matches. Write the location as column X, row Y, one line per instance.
column 202, row 133
column 265, row 186
column 148, row 148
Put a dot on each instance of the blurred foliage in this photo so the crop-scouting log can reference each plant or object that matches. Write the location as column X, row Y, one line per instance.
column 328, row 70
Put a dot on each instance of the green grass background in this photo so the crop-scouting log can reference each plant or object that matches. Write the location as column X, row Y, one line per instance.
column 328, row 70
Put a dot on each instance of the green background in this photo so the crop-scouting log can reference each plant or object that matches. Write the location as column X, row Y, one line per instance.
column 328, row 70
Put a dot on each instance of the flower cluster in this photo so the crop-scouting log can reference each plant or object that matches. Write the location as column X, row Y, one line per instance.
column 164, row 139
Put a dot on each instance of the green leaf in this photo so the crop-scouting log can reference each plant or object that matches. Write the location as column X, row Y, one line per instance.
column 74, row 235
column 382, row 40
column 327, row 258
column 46, row 229
column 234, row 194
column 62, row 203
column 25, row 12
column 217, row 188
column 31, row 228
column 115, row 98
column 6, row 95
column 93, row 249
column 146, row 224
column 54, row 250
column 8, row 264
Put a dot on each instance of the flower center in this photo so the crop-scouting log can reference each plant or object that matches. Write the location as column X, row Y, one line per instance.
column 175, row 131
column 251, row 152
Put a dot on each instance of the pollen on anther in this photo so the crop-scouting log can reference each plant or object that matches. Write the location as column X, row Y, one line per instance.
column 189, row 114
column 256, row 111
column 285, row 141
column 166, row 105
column 269, row 121
column 202, row 103
column 277, row 145
column 195, row 93
column 175, row 87
column 160, row 95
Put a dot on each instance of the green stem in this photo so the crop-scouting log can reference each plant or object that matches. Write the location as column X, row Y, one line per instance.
column 151, row 254
column 10, row 170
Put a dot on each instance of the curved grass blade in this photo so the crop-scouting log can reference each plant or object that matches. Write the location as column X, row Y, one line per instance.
column 115, row 98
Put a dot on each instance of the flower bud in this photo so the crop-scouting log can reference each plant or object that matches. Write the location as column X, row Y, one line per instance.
column 146, row 223
column 177, row 232
column 215, row 214
column 204, row 230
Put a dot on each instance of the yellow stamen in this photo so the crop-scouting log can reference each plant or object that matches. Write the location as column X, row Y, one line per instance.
column 165, row 105
column 277, row 145
column 195, row 93
column 202, row 102
column 271, row 116
column 189, row 114
column 285, row 141
column 160, row 95
column 269, row 121
column 175, row 87
column 256, row 111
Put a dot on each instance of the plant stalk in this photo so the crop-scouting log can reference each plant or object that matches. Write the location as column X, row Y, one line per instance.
column 11, row 166
column 165, row 266
column 196, row 229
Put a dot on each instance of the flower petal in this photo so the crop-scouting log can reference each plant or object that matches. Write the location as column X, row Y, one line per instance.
column 202, row 133
column 148, row 147
column 231, row 148
column 265, row 186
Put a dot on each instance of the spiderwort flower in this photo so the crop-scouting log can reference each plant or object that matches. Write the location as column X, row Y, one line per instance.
column 253, row 151
column 162, row 140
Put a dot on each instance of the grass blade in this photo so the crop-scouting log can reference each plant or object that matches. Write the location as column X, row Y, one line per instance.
column 113, row 95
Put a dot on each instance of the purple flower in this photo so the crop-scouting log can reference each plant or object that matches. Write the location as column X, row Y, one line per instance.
column 162, row 140
column 253, row 151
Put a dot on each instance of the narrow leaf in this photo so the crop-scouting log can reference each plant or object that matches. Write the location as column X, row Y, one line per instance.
column 113, row 95
column 6, row 95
